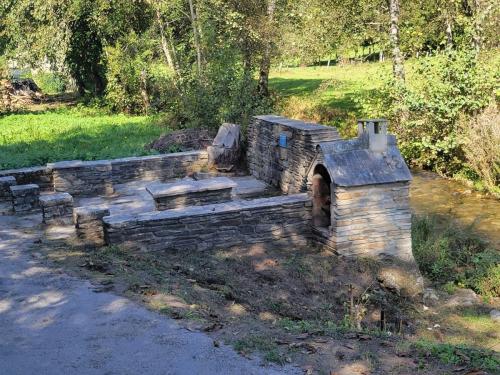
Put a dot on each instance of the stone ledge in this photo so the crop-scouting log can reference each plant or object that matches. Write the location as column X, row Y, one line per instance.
column 51, row 200
column 88, row 214
column 190, row 186
column 21, row 190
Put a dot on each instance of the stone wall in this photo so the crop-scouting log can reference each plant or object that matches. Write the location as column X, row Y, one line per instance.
column 97, row 177
column 41, row 176
column 372, row 220
column 284, row 167
column 283, row 220
column 83, row 178
column 158, row 167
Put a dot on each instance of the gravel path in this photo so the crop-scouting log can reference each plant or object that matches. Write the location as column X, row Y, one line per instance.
column 52, row 323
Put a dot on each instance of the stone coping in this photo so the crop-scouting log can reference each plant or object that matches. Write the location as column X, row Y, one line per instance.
column 35, row 169
column 294, row 124
column 208, row 210
column 49, row 200
column 158, row 190
column 11, row 180
column 97, row 163
column 24, row 187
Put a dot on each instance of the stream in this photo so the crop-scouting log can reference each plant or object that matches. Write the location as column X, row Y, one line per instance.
column 431, row 194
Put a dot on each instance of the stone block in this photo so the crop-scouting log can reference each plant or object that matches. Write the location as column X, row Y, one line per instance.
column 25, row 198
column 5, row 184
column 57, row 208
column 89, row 224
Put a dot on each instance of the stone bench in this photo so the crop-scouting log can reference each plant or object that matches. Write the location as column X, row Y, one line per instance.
column 89, row 224
column 191, row 193
column 57, row 208
column 25, row 198
column 5, row 184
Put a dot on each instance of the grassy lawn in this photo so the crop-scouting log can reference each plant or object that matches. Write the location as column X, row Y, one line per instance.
column 38, row 137
column 330, row 95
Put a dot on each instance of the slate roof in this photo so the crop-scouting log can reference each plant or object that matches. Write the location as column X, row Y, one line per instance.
column 360, row 166
column 295, row 124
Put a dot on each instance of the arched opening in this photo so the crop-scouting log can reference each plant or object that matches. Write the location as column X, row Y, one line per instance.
column 321, row 193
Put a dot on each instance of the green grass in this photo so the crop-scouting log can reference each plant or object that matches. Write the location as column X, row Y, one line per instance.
column 79, row 133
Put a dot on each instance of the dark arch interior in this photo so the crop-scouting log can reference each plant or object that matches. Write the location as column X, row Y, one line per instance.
column 321, row 193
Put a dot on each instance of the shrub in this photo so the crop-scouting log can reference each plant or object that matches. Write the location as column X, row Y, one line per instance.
column 51, row 82
column 425, row 113
column 481, row 144
column 447, row 253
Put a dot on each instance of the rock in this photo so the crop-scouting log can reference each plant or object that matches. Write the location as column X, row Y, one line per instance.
column 225, row 152
column 400, row 280
column 430, row 297
column 495, row 315
column 463, row 298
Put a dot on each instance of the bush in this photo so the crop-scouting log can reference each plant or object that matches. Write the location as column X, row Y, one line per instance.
column 481, row 144
column 425, row 113
column 51, row 82
column 137, row 81
column 448, row 253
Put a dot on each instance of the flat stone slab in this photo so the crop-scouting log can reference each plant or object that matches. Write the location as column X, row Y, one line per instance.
column 23, row 189
column 86, row 214
column 159, row 190
column 57, row 199
column 7, row 180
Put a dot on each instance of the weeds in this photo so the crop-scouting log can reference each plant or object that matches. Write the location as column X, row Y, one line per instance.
column 447, row 253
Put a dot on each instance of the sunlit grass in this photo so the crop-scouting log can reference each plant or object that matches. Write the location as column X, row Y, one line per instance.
column 36, row 138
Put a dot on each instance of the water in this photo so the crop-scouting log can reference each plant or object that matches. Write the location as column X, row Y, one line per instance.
column 431, row 194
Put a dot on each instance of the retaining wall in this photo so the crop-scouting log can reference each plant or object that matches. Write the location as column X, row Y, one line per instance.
column 283, row 220
column 97, row 177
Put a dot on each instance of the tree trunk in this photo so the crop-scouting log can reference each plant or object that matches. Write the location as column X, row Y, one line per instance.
column 196, row 36
column 144, row 92
column 164, row 41
column 397, row 58
column 449, row 33
column 265, row 65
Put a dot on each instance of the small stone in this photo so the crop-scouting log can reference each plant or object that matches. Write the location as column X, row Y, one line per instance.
column 430, row 297
column 495, row 315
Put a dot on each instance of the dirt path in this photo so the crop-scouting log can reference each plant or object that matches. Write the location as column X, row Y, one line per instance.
column 52, row 323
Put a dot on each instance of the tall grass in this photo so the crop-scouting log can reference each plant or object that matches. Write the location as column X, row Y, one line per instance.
column 448, row 253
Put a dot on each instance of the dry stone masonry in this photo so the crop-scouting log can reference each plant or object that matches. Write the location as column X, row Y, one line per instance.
column 272, row 221
column 89, row 224
column 25, row 198
column 57, row 208
column 190, row 192
column 280, row 150
column 5, row 184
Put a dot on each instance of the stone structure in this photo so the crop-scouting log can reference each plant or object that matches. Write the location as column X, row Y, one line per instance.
column 190, row 192
column 5, row 184
column 83, row 178
column 280, row 150
column 283, row 220
column 359, row 187
column 357, row 204
column 89, row 224
column 41, row 176
column 25, row 198
column 57, row 208
column 225, row 152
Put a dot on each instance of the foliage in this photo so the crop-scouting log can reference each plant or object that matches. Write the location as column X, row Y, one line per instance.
column 481, row 139
column 51, row 82
column 459, row 355
column 137, row 83
column 28, row 139
column 445, row 252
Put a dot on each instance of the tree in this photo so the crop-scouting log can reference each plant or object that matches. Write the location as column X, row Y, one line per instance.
column 397, row 58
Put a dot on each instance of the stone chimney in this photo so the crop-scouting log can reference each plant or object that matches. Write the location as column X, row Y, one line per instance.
column 375, row 131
